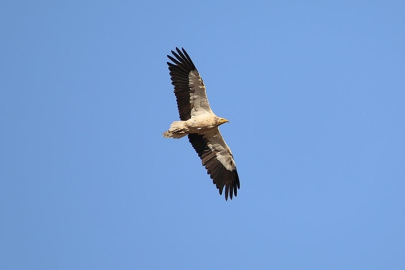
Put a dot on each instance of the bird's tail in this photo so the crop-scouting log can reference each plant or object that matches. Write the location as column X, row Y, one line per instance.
column 177, row 130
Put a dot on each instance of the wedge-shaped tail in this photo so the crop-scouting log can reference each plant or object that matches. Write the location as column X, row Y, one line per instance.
column 177, row 130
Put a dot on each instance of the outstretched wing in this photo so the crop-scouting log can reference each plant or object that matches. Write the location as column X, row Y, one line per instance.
column 218, row 160
column 188, row 86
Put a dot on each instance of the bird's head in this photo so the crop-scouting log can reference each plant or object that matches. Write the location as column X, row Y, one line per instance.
column 222, row 121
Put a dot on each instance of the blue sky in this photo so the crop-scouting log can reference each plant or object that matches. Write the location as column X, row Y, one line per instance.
column 315, row 96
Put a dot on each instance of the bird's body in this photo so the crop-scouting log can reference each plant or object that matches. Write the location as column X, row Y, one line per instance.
column 200, row 123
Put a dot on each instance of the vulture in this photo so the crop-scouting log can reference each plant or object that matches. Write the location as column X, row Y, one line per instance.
column 198, row 121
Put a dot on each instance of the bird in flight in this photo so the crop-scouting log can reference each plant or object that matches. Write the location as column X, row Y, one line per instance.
column 200, row 123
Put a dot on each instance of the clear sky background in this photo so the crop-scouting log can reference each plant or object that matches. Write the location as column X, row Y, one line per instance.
column 315, row 95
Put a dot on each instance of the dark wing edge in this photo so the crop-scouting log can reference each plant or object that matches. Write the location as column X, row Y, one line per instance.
column 220, row 176
column 179, row 72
